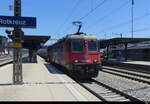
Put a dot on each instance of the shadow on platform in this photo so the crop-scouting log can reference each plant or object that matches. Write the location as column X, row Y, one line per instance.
column 50, row 68
column 86, row 81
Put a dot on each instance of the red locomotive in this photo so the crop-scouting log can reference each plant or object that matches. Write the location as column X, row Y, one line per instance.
column 78, row 53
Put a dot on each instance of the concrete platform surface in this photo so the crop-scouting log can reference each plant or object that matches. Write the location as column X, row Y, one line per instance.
column 138, row 62
column 41, row 82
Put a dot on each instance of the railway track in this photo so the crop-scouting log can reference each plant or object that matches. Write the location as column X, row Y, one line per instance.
column 7, row 60
column 132, row 68
column 127, row 74
column 105, row 92
column 102, row 91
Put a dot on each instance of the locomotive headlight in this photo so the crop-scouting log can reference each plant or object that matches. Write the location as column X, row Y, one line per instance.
column 95, row 61
column 76, row 61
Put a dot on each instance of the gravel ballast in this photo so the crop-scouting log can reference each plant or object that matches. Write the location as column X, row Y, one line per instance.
column 133, row 88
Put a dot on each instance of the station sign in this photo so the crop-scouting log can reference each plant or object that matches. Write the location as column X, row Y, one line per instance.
column 22, row 22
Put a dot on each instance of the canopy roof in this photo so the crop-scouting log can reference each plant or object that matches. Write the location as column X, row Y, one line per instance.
column 116, row 41
column 34, row 42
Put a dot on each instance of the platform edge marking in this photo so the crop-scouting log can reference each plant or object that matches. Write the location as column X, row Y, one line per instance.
column 77, row 95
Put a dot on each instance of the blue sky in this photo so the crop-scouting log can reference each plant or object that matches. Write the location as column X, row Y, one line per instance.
column 55, row 17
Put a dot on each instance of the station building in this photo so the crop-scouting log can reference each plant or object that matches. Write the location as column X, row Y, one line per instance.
column 139, row 51
column 126, row 48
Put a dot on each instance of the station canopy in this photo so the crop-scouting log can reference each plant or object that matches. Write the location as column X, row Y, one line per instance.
column 34, row 42
column 117, row 41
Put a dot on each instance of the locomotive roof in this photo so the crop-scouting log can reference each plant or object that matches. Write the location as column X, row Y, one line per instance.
column 81, row 36
column 76, row 36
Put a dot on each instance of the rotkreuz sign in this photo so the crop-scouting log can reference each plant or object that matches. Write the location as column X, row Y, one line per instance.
column 23, row 22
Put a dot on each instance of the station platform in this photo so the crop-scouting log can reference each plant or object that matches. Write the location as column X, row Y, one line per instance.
column 146, row 63
column 41, row 82
column 128, row 63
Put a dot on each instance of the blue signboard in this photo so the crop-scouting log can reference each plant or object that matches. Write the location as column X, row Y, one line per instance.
column 23, row 22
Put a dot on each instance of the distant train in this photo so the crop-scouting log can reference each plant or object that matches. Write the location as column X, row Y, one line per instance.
column 78, row 53
column 43, row 53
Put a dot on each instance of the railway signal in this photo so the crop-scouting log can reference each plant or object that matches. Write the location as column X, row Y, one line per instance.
column 17, row 35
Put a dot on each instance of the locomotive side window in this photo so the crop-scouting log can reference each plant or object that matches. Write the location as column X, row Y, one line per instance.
column 61, row 48
column 77, row 46
column 92, row 46
column 68, row 46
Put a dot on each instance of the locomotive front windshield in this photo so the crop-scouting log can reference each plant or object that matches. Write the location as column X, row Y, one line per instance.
column 77, row 46
column 92, row 46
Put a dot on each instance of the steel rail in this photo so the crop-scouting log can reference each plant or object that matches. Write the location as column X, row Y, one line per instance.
column 125, row 72
column 127, row 76
column 94, row 93
column 121, row 94
column 132, row 69
column 131, row 98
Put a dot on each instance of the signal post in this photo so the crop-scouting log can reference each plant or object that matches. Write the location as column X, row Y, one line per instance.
column 17, row 45
column 17, row 22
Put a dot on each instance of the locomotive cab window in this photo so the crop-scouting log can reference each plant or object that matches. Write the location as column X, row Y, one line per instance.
column 77, row 46
column 92, row 46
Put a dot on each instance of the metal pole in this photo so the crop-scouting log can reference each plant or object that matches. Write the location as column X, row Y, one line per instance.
column 126, row 51
column 17, row 54
column 132, row 17
column 121, row 35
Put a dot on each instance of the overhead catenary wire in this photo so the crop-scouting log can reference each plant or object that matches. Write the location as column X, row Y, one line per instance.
column 124, row 23
column 86, row 15
column 108, row 14
column 138, row 30
column 67, row 29
column 135, row 31
column 92, row 10
column 68, row 17
column 91, row 5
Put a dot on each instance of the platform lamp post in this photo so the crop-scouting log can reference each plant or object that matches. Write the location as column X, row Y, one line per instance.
column 17, row 46
column 132, row 17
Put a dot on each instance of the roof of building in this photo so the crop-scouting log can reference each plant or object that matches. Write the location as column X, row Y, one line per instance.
column 34, row 41
column 2, row 36
column 116, row 41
